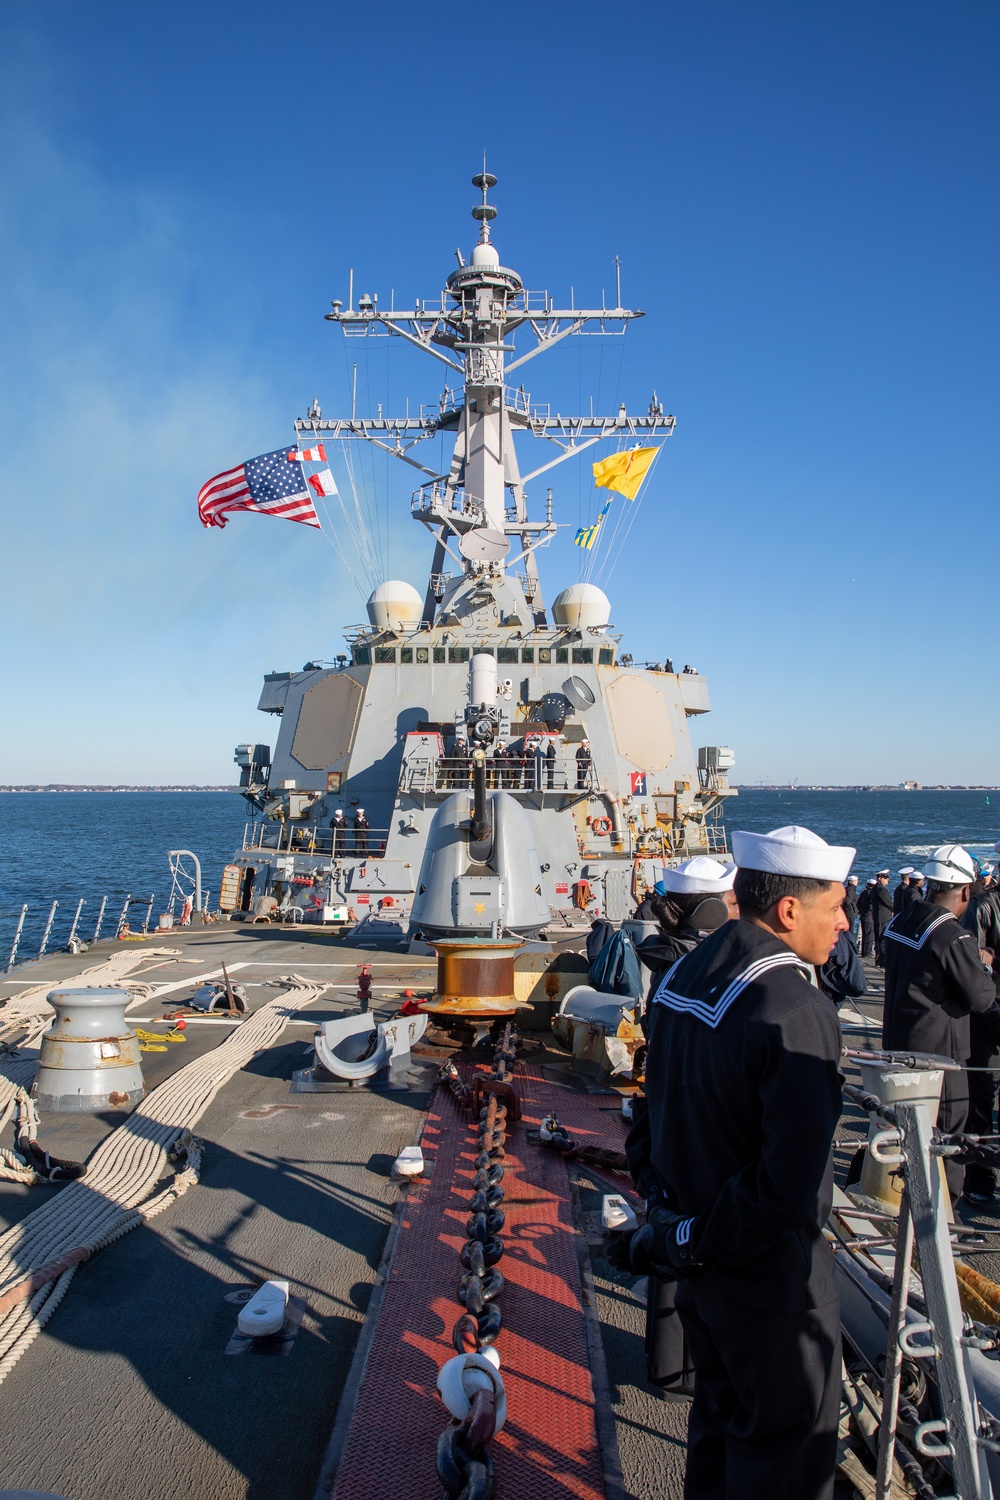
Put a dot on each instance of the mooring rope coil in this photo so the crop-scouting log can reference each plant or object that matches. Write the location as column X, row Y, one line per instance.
column 470, row 1384
column 122, row 1187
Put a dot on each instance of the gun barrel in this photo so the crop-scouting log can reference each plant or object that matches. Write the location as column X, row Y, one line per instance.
column 480, row 820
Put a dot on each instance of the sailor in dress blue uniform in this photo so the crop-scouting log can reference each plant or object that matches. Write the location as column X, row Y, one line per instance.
column 743, row 1095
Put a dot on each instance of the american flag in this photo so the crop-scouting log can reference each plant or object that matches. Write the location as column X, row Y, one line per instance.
column 273, row 484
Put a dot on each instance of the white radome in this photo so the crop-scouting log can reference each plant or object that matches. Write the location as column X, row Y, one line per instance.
column 395, row 605
column 484, row 257
column 583, row 606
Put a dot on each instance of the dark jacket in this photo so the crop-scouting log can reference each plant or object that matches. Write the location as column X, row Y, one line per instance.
column 851, row 903
column 982, row 919
column 661, row 951
column 934, row 981
column 843, row 975
column 881, row 907
column 743, row 1095
column 901, row 896
column 865, row 906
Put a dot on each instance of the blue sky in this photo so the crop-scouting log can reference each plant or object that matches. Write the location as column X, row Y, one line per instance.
column 804, row 201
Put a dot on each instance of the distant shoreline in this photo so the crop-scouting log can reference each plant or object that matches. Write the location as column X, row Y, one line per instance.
column 756, row 787
column 58, row 786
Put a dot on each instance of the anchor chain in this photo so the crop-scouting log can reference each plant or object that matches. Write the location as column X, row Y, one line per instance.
column 470, row 1384
column 553, row 1133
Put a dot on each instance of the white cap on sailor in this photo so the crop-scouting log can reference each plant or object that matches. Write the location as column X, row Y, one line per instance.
column 906, row 870
column 950, row 865
column 852, row 880
column 792, row 851
column 873, row 881
column 699, row 876
column 359, row 812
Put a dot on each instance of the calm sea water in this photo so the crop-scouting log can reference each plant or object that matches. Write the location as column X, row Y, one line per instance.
column 886, row 828
column 59, row 846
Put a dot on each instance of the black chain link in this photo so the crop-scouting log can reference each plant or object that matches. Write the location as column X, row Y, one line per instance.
column 464, row 1466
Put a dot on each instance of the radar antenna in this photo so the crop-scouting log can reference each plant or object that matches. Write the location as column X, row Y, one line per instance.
column 478, row 506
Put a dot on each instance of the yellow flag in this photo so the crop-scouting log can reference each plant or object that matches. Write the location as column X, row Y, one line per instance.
column 624, row 472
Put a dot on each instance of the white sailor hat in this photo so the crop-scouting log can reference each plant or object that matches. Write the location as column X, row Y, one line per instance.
column 792, row 851
column 873, row 881
column 950, row 865
column 852, row 880
column 359, row 812
column 906, row 870
column 884, row 872
column 698, row 876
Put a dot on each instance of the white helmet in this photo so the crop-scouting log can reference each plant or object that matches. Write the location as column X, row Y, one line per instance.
column 950, row 865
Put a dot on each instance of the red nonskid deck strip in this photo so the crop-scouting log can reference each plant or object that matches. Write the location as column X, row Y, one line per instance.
column 548, row 1449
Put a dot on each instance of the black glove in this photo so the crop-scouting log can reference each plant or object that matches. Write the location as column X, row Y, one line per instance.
column 663, row 1244
column 616, row 1248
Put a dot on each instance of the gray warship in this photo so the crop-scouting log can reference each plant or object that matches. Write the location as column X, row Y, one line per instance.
column 590, row 760
column 129, row 1363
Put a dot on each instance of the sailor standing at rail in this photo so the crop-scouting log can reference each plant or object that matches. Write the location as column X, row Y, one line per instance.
column 338, row 833
column 743, row 1097
column 903, row 894
column 360, row 826
column 866, row 919
column 882, row 912
column 936, row 984
column 584, row 761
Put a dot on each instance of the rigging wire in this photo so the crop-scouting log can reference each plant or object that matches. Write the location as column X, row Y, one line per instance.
column 358, row 529
column 608, row 563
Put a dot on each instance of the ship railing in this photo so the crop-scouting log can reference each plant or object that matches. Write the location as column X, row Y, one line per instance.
column 525, row 774
column 30, row 930
column 435, row 499
column 697, row 838
column 308, row 838
column 451, row 399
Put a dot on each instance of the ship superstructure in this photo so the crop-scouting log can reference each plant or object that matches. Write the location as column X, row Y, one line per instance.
column 595, row 749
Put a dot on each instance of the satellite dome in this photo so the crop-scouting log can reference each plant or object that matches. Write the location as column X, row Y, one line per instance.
column 484, row 257
column 582, row 606
column 395, row 605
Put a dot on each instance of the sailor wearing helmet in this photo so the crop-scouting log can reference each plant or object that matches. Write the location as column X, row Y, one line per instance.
column 936, row 984
column 743, row 1094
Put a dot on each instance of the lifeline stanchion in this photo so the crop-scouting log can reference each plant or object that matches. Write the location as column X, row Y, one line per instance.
column 76, row 918
column 48, row 928
column 470, row 1384
column 100, row 919
column 17, row 938
column 123, row 919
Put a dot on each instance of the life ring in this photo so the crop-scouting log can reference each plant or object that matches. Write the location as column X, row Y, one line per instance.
column 601, row 826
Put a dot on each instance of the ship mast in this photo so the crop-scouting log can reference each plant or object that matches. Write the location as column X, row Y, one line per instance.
column 478, row 507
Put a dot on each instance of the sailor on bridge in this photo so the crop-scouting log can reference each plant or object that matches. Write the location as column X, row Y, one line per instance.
column 743, row 1095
